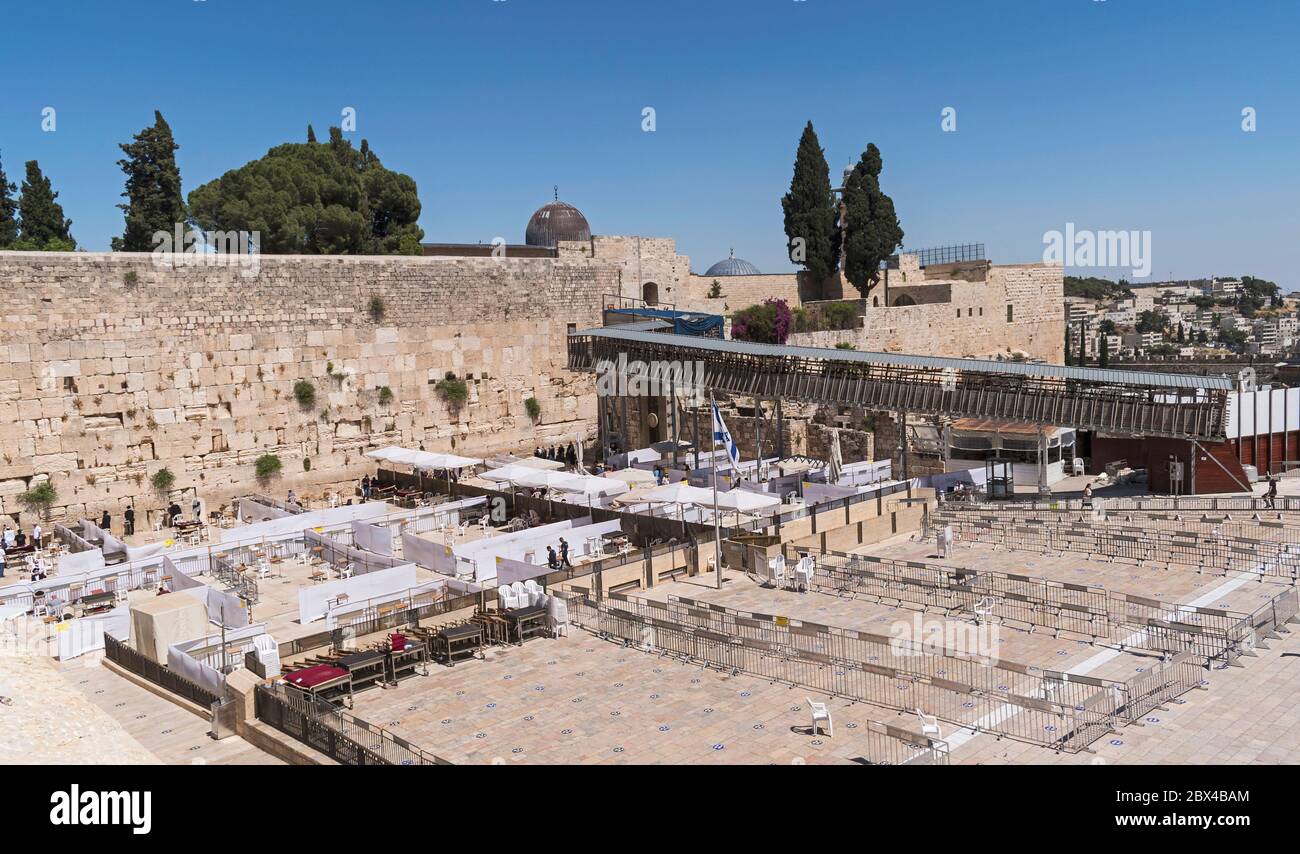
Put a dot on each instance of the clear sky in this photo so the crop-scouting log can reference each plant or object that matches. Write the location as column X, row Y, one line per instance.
column 1109, row 114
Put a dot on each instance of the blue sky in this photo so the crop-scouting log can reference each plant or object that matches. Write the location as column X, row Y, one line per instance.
column 1119, row 114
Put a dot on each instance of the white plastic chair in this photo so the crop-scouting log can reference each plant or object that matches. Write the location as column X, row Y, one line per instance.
column 929, row 725
column 484, row 525
column 507, row 596
column 334, row 499
column 803, row 573
column 521, row 594
column 346, row 572
column 1077, row 465
column 268, row 653
column 535, row 592
column 821, row 713
column 558, row 610
column 777, row 567
column 984, row 610
column 460, row 531
column 264, row 569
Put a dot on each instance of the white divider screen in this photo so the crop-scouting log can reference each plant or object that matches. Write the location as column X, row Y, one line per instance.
column 372, row 538
column 428, row 554
column 314, row 602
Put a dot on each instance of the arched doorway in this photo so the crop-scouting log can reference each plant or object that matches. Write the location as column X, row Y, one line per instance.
column 904, row 300
column 650, row 293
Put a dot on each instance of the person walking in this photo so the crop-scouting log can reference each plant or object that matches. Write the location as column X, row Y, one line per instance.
column 564, row 554
column 552, row 562
column 2, row 563
column 1271, row 495
column 106, row 522
column 128, row 520
column 36, row 536
column 1087, row 495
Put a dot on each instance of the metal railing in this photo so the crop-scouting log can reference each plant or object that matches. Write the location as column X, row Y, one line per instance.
column 123, row 656
column 1064, row 712
column 1200, row 552
column 341, row 736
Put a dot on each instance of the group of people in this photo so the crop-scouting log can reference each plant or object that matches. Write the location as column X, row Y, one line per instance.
column 13, row 539
column 558, row 561
column 560, row 453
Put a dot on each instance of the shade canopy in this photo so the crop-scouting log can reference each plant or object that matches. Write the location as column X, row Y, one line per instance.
column 631, row 476
column 428, row 460
column 681, row 493
column 744, row 501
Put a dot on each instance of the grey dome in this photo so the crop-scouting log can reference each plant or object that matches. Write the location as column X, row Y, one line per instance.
column 555, row 222
column 733, row 266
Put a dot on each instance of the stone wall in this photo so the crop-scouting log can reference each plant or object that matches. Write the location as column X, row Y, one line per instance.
column 738, row 292
column 112, row 367
column 1018, row 309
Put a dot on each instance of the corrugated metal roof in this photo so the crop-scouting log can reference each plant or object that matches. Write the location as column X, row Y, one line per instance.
column 1108, row 376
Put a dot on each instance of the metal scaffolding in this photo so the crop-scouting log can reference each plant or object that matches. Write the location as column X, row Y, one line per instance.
column 1124, row 402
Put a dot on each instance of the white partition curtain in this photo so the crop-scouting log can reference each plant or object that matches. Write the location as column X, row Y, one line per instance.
column 372, row 538
column 428, row 554
column 317, row 601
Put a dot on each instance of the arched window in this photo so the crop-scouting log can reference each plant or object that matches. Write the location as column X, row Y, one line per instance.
column 904, row 299
column 650, row 293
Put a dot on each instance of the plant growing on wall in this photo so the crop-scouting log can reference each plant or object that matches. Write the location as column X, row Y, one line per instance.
column 376, row 308
column 162, row 481
column 385, row 395
column 715, row 289
column 306, row 463
column 305, row 393
column 534, row 408
column 266, row 467
column 452, row 390
column 40, row 498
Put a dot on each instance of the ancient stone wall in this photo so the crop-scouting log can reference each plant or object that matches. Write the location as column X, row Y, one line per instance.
column 113, row 367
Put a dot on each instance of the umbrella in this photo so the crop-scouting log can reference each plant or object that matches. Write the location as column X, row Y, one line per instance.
column 632, row 476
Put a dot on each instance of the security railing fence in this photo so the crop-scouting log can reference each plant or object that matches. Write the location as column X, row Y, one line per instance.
column 1065, row 712
column 334, row 732
column 1241, row 525
column 1212, row 635
column 1173, row 504
column 122, row 655
column 1201, row 552
column 243, row 584
column 892, row 745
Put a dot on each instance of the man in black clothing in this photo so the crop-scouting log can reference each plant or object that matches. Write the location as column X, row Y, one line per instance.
column 105, row 522
column 173, row 514
column 1271, row 495
column 552, row 562
column 129, row 518
column 564, row 554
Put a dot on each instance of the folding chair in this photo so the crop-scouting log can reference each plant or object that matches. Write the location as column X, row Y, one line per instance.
column 507, row 596
column 777, row 566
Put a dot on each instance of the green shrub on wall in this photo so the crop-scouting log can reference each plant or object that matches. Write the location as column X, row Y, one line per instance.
column 267, row 467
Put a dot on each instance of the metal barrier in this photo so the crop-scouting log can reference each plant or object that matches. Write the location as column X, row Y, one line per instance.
column 339, row 735
column 123, row 656
column 1055, row 710
column 1178, row 504
column 1201, row 552
column 891, row 745
column 1211, row 635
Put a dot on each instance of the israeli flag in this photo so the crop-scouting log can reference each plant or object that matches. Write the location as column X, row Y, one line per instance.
column 721, row 434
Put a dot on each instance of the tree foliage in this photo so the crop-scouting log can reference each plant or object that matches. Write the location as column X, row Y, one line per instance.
column 8, row 210
column 1092, row 287
column 153, row 187
column 315, row 199
column 41, row 224
column 809, row 209
column 872, row 231
column 769, row 323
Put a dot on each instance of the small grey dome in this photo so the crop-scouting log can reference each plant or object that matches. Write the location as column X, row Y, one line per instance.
column 733, row 266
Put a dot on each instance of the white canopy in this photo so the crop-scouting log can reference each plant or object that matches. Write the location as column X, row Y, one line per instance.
column 421, row 459
column 631, row 476
column 681, row 493
column 745, row 501
column 508, row 474
column 592, row 486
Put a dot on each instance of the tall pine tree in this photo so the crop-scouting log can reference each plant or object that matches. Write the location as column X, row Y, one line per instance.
column 810, row 209
column 41, row 224
column 872, row 229
column 8, row 211
column 153, row 187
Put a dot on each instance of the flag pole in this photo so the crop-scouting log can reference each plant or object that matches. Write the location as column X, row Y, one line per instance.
column 717, row 529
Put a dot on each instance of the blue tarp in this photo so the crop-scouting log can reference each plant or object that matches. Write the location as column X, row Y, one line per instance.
column 684, row 322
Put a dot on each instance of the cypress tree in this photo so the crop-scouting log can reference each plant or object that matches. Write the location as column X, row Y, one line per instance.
column 1083, row 345
column 40, row 218
column 8, row 210
column 809, row 209
column 153, row 187
column 1103, row 354
column 873, row 232
column 311, row 134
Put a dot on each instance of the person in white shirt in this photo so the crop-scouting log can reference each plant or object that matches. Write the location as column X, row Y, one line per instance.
column 197, row 507
column 36, row 537
column 2, row 563
column 9, row 537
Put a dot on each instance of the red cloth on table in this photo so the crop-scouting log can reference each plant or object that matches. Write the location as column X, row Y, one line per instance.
column 312, row 676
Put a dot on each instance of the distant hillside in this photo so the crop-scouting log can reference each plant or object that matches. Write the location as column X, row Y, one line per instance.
column 1091, row 287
